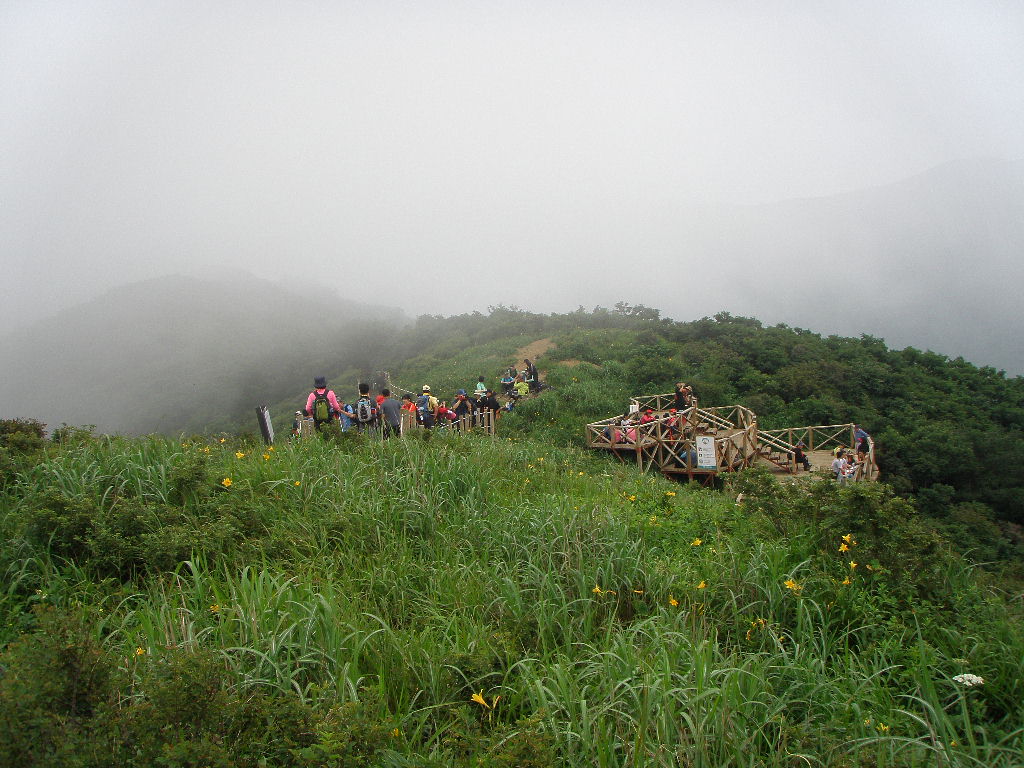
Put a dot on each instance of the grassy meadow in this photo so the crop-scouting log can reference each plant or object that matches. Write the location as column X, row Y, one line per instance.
column 475, row 601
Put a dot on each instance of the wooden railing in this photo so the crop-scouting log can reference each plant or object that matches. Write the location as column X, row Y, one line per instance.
column 669, row 441
column 658, row 403
column 816, row 438
column 822, row 437
column 479, row 421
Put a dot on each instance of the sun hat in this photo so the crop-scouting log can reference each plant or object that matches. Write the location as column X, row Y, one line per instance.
column 426, row 387
column 320, row 382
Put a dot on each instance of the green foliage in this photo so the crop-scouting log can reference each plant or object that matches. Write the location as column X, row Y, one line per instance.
column 466, row 600
column 54, row 682
column 21, row 443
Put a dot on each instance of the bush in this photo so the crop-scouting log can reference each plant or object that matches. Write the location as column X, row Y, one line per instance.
column 56, row 681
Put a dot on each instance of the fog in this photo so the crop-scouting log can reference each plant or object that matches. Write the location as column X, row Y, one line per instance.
column 795, row 161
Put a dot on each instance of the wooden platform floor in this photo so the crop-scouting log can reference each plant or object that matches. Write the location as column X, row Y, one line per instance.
column 819, row 460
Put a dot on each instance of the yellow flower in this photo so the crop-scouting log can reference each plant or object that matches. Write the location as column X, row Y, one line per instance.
column 954, row 743
column 672, row 601
column 266, row 457
column 867, row 721
column 703, row 584
column 597, row 590
column 226, row 482
column 882, row 727
column 792, row 585
column 853, row 565
column 581, row 474
column 140, row 651
column 848, row 538
column 271, row 448
column 298, row 482
column 696, row 542
column 843, row 547
column 396, row 733
column 215, row 608
column 540, row 458
column 239, row 455
column 222, row 440
column 206, row 449
column 479, row 699
column 847, row 581
column 632, row 498
column 670, row 493
column 638, row 591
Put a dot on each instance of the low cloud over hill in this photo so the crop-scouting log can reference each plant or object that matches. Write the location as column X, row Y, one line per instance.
column 176, row 353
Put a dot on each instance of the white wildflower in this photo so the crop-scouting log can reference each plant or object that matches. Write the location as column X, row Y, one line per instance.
column 968, row 680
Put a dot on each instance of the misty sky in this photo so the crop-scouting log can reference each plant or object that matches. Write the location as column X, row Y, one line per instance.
column 477, row 153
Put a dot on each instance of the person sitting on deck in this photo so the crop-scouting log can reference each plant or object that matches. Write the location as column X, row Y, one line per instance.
column 672, row 423
column 800, row 456
column 842, row 468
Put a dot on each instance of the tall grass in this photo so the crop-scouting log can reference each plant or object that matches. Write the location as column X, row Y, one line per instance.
column 416, row 573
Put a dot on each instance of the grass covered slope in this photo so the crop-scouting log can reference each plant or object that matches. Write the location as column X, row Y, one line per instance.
column 948, row 434
column 474, row 601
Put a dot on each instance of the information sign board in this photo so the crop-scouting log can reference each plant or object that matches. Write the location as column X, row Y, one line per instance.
column 706, row 458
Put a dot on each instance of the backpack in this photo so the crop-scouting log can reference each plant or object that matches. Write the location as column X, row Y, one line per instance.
column 321, row 408
column 364, row 411
column 423, row 404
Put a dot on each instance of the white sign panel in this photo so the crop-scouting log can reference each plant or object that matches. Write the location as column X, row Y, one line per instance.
column 706, row 458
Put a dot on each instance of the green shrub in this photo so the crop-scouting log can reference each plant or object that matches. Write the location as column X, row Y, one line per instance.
column 62, row 525
column 54, row 682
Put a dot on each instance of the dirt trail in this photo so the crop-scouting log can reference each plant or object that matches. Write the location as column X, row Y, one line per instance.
column 533, row 350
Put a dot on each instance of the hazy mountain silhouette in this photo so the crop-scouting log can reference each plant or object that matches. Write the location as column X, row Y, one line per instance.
column 933, row 261
column 179, row 354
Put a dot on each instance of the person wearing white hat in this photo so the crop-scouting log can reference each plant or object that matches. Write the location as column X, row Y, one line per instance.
column 426, row 406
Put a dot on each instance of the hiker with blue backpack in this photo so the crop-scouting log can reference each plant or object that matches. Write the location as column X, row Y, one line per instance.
column 322, row 404
column 426, row 405
column 366, row 412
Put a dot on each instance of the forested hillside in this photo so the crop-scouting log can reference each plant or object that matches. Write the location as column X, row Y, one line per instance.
column 457, row 599
column 948, row 433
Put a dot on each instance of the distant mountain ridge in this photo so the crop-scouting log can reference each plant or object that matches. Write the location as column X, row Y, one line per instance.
column 177, row 353
column 933, row 261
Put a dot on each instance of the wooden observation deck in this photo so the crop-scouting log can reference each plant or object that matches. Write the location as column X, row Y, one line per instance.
column 702, row 442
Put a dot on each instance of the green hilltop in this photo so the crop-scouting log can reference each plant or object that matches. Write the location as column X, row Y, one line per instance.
column 447, row 599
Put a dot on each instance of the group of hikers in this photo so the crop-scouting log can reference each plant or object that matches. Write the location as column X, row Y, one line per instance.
column 383, row 412
column 626, row 429
column 846, row 465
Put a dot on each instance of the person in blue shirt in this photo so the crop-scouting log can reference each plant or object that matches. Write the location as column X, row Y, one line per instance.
column 860, row 438
column 346, row 415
